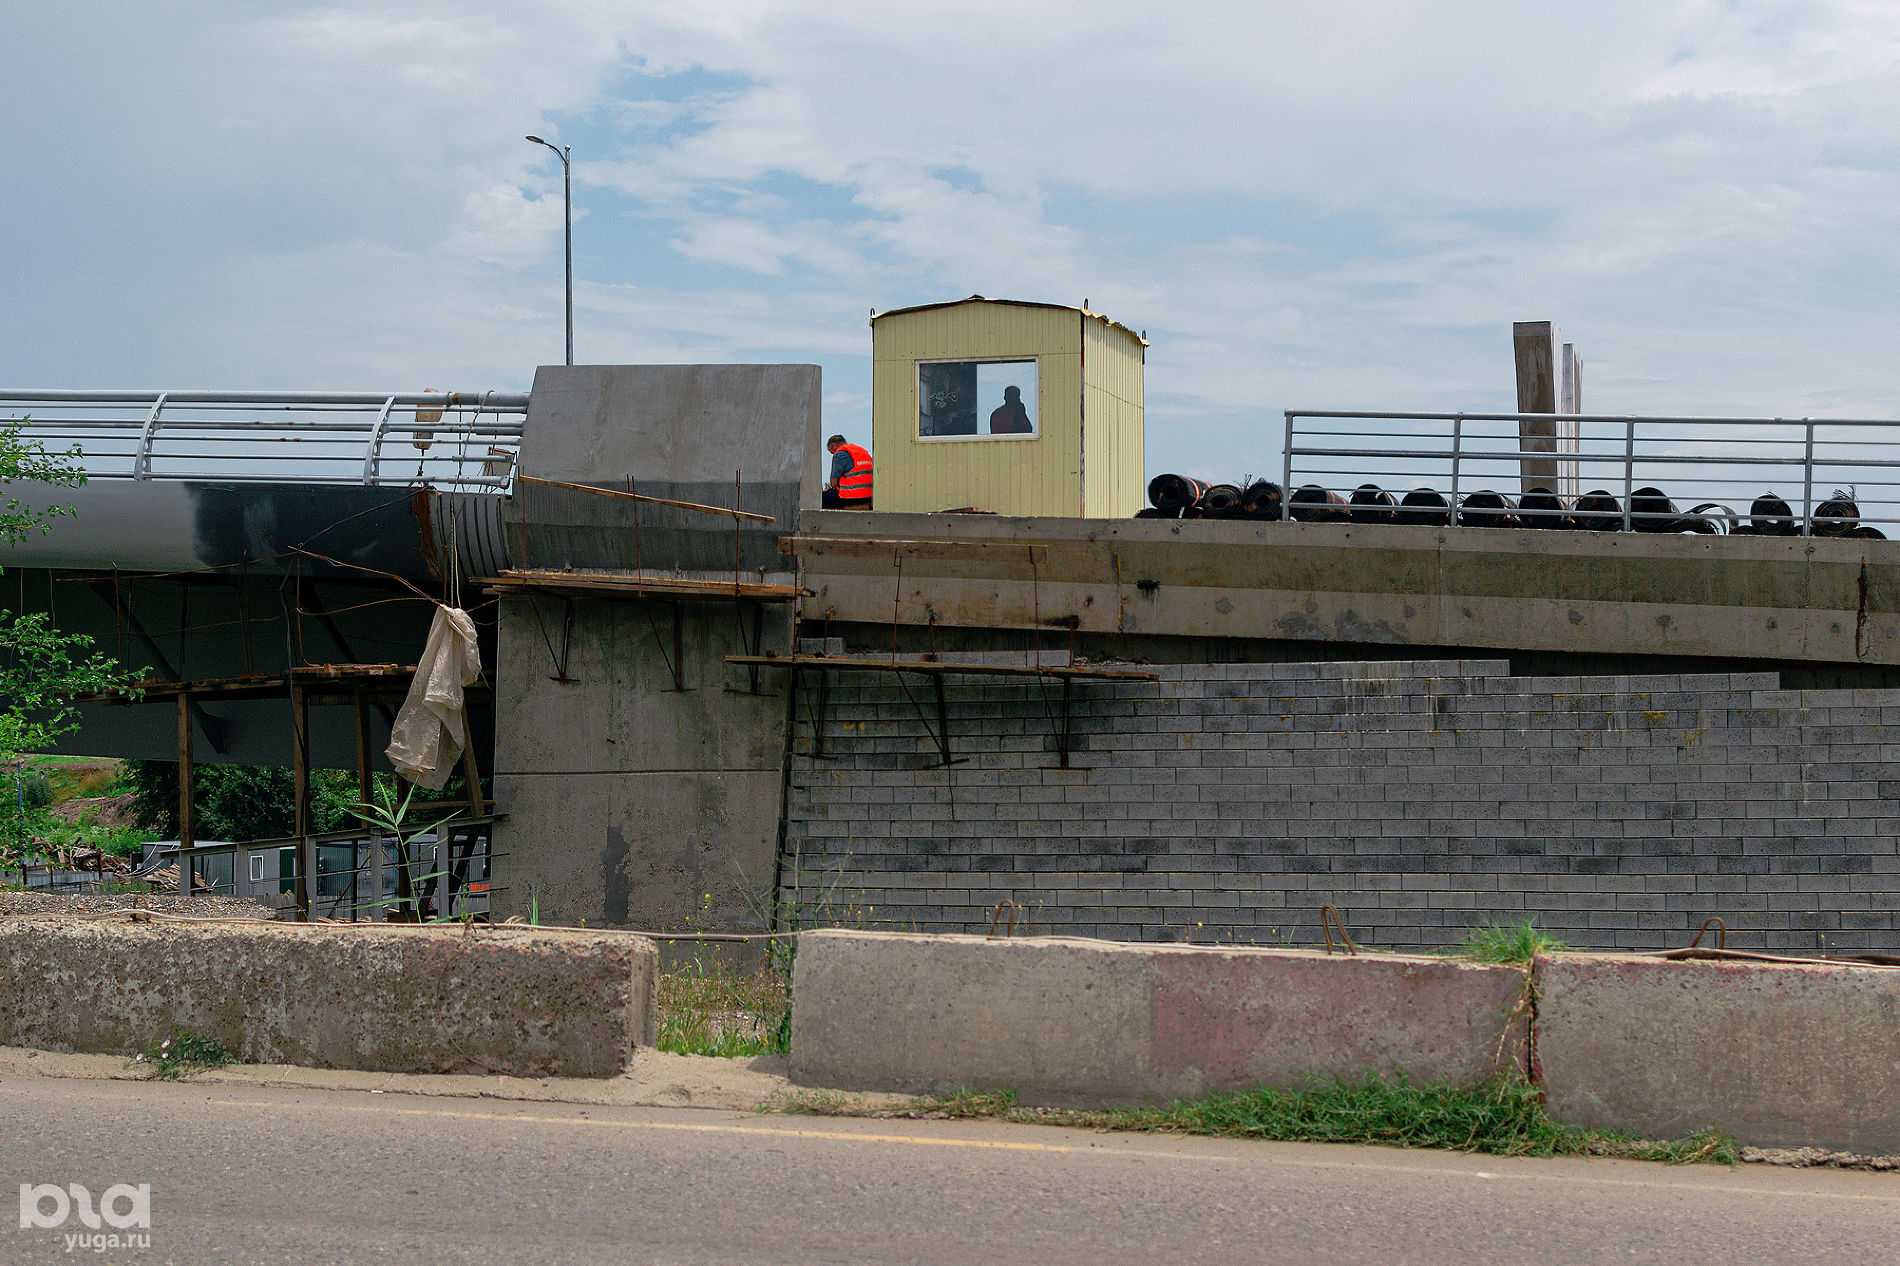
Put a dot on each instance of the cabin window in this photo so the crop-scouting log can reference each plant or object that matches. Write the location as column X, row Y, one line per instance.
column 977, row 400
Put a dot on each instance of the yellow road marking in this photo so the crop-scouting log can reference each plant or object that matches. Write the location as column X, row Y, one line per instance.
column 1568, row 1177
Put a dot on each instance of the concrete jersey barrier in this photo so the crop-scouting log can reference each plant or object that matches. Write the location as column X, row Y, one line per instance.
column 521, row 1001
column 1067, row 1021
column 1776, row 1054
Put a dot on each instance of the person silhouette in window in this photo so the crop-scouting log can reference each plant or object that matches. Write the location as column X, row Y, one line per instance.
column 1011, row 418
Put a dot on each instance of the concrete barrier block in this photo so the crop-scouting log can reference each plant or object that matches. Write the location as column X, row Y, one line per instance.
column 1058, row 1021
column 1095, row 1022
column 1227, row 1019
column 521, row 1001
column 1776, row 1054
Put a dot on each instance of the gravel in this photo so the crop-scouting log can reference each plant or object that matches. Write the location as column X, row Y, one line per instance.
column 17, row 904
column 1817, row 1158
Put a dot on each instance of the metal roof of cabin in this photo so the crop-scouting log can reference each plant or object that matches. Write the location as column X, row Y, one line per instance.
column 1011, row 303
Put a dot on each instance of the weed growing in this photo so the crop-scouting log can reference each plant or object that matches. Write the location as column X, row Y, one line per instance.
column 1514, row 943
column 180, row 1055
column 1498, row 1117
column 709, row 1008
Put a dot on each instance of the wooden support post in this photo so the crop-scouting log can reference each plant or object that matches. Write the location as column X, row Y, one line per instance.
column 472, row 775
column 300, row 796
column 184, row 794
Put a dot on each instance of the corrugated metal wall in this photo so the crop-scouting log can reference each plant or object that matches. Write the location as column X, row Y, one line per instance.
column 1113, row 456
column 1009, row 476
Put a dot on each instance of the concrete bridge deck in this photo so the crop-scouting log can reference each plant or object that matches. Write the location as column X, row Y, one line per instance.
column 1790, row 599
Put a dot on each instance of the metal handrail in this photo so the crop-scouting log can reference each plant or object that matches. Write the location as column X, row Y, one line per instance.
column 455, row 441
column 1606, row 450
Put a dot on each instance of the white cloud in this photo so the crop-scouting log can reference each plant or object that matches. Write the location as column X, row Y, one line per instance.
column 1340, row 205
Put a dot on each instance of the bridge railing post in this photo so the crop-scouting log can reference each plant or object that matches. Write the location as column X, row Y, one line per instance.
column 1807, row 480
column 142, row 464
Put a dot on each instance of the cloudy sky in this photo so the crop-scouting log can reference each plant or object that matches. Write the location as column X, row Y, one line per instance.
column 1322, row 206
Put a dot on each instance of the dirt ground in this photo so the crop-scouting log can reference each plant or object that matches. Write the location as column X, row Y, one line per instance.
column 656, row 1080
column 106, row 811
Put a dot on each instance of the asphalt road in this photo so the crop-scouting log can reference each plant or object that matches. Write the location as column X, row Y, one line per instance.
column 251, row 1175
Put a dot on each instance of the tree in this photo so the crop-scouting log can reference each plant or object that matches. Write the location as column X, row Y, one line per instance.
column 256, row 802
column 41, row 668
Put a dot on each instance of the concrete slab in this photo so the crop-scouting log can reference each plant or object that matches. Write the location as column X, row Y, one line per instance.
column 1225, row 1019
column 677, row 431
column 1775, row 1054
column 497, row 1000
column 1058, row 1021
column 1068, row 1021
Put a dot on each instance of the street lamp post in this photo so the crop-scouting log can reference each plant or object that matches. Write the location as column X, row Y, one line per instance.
column 567, row 206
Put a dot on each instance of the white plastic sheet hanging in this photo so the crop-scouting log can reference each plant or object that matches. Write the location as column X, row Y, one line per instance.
column 432, row 729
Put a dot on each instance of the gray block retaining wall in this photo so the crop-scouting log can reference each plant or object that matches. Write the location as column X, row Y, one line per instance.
column 1231, row 802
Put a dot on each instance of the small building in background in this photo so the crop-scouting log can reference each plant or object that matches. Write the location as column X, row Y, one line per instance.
column 1010, row 407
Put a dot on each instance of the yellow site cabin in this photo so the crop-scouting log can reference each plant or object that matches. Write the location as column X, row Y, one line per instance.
column 1014, row 408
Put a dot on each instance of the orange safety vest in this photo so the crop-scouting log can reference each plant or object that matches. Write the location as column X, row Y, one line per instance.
column 856, row 484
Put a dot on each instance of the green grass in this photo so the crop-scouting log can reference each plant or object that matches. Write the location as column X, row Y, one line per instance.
column 1515, row 943
column 181, row 1054
column 708, row 1008
column 1500, row 1117
column 75, row 777
column 59, row 835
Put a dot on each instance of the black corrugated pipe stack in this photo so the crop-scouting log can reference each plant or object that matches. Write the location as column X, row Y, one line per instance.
column 1424, row 507
column 1486, row 508
column 1542, row 508
column 1314, row 504
column 1373, row 504
column 1220, row 501
column 1170, row 496
column 1769, row 515
column 1261, row 500
column 1837, row 516
column 1598, row 511
column 1652, row 511
column 1180, row 497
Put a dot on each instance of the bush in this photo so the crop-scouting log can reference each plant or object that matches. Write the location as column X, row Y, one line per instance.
column 253, row 802
column 35, row 789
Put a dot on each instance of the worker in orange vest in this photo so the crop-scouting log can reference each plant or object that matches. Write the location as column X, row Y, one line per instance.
column 849, row 487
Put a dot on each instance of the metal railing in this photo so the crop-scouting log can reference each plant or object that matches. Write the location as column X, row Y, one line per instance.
column 1833, row 476
column 455, row 441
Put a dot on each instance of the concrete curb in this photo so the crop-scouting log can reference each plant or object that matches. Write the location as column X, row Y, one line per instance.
column 1775, row 1054
column 379, row 998
column 654, row 1079
column 1078, row 1022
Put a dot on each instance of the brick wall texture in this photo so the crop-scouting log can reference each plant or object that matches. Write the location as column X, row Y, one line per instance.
column 1424, row 799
